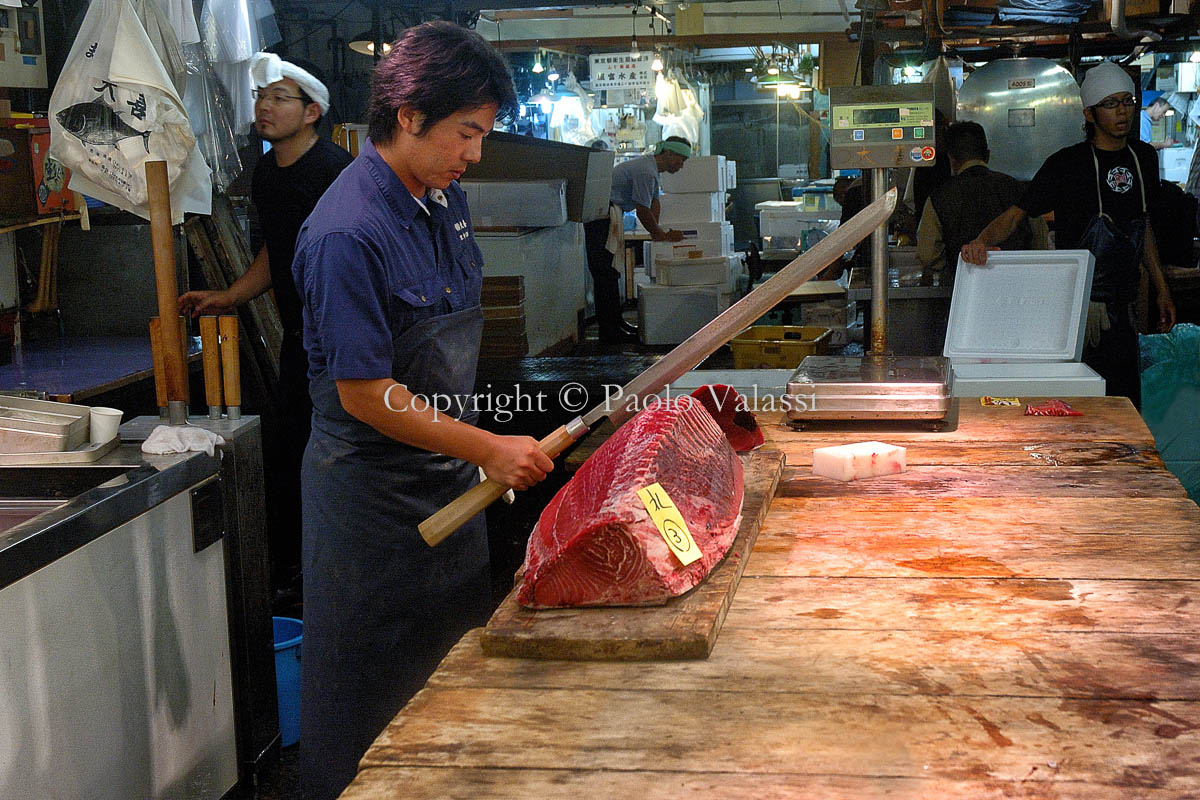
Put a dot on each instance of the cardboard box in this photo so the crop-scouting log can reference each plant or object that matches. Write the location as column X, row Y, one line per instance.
column 706, row 238
column 677, row 209
column 588, row 172
column 28, row 184
column 699, row 174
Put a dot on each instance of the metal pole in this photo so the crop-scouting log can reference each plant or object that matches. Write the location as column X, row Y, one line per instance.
column 879, row 278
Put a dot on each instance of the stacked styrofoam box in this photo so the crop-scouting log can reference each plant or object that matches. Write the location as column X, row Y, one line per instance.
column 836, row 315
column 785, row 222
column 693, row 278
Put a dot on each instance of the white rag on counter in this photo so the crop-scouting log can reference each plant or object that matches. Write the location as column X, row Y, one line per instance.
column 180, row 439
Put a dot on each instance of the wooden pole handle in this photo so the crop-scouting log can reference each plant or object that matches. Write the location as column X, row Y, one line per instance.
column 210, row 338
column 230, row 363
column 156, row 355
column 183, row 343
column 158, row 194
column 457, row 512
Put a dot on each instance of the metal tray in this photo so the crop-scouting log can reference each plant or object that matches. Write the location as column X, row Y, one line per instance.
column 836, row 388
column 28, row 425
column 81, row 455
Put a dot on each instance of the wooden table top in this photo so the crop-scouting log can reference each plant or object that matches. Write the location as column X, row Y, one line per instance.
column 1013, row 617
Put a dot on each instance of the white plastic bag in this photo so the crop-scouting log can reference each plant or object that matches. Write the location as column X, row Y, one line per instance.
column 115, row 108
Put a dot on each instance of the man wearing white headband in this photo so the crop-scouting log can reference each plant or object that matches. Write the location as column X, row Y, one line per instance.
column 287, row 182
column 1101, row 192
column 634, row 188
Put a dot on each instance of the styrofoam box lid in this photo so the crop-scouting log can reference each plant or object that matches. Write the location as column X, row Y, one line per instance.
column 780, row 205
column 711, row 290
column 1023, row 305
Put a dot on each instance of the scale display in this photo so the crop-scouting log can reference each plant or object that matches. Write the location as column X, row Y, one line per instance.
column 874, row 127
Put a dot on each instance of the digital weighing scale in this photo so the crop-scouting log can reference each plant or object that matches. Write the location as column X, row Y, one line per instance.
column 873, row 128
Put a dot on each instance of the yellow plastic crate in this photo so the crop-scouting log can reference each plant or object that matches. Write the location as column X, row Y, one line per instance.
column 777, row 346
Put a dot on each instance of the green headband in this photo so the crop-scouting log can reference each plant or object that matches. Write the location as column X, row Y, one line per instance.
column 675, row 147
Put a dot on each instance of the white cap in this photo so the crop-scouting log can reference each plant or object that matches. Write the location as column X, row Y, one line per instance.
column 267, row 68
column 1103, row 80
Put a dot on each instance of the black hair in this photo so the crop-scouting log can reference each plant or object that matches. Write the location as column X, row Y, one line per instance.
column 306, row 99
column 966, row 141
column 437, row 68
column 315, row 71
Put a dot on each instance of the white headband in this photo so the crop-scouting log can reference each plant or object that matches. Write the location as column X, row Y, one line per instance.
column 267, row 68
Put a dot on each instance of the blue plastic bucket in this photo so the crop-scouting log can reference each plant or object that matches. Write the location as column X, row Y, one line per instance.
column 288, row 633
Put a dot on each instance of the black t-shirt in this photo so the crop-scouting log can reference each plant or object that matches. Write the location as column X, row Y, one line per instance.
column 1066, row 185
column 284, row 197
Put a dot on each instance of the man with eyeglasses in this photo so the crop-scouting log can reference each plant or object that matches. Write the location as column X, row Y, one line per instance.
column 1101, row 192
column 287, row 182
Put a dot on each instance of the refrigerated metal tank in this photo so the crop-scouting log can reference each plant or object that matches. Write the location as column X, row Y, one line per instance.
column 1029, row 108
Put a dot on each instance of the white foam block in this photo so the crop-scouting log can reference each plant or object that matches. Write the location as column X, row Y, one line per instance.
column 850, row 462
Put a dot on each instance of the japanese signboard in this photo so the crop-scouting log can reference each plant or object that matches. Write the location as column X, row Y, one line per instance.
column 621, row 71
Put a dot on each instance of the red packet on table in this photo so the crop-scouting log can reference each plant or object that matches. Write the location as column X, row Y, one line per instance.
column 1052, row 408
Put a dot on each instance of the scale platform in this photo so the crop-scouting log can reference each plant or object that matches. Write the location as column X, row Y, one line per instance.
column 870, row 388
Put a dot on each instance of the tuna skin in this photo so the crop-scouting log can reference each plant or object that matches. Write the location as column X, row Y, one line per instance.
column 595, row 544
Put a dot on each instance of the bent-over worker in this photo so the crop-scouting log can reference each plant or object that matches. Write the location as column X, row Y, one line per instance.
column 634, row 188
column 390, row 276
column 1101, row 191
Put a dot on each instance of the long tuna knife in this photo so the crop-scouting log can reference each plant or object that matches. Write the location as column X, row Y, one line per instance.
column 674, row 364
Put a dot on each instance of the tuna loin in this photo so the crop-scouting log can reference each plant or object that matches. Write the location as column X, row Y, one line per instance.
column 595, row 544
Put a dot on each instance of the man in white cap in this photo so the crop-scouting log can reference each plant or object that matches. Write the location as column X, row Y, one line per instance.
column 287, row 182
column 1101, row 192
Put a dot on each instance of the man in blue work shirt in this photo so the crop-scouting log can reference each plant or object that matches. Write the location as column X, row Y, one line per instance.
column 389, row 276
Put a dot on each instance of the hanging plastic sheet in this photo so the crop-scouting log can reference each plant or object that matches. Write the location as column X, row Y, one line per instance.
column 573, row 114
column 233, row 31
column 163, row 38
column 210, row 110
column 678, row 111
column 182, row 18
column 114, row 108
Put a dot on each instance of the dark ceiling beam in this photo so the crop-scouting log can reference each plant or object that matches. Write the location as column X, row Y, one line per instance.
column 607, row 44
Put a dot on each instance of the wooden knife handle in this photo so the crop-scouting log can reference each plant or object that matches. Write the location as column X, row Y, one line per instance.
column 230, row 363
column 210, row 338
column 156, row 354
column 158, row 196
column 457, row 512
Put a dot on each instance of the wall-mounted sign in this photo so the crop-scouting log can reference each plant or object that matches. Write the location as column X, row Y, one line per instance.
column 621, row 71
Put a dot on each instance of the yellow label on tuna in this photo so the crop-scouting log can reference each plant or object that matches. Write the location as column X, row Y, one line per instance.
column 670, row 523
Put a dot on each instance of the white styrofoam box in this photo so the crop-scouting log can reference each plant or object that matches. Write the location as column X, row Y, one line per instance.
column 693, row 271
column 1174, row 163
column 670, row 314
column 1024, row 379
column 526, row 204
column 1023, row 305
column 550, row 260
column 1017, row 323
column 710, row 238
column 730, row 175
column 750, row 383
column 685, row 209
column 828, row 313
column 699, row 174
column 838, row 335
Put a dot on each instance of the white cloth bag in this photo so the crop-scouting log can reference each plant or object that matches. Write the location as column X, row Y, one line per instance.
column 115, row 108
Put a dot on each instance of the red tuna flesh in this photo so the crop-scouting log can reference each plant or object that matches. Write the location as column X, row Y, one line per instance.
column 732, row 414
column 595, row 544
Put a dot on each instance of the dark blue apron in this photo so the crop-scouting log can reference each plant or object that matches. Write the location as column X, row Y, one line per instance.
column 382, row 607
column 1117, row 248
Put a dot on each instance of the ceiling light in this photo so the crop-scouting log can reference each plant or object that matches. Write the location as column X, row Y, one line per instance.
column 552, row 75
column 537, row 64
column 772, row 70
column 750, row 69
column 365, row 43
column 1194, row 58
column 656, row 64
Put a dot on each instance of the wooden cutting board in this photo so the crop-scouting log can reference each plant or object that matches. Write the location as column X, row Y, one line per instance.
column 685, row 627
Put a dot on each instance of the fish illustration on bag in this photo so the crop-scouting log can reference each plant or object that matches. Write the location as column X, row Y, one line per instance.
column 96, row 124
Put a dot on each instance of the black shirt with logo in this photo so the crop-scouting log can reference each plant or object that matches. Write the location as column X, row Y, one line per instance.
column 1066, row 185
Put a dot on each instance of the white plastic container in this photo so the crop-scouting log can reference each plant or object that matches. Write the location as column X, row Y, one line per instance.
column 694, row 271
column 670, row 314
column 522, row 204
column 1017, row 323
column 686, row 209
column 699, row 174
column 730, row 175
